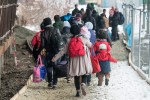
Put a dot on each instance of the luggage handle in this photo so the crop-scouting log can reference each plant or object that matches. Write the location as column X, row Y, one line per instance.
column 62, row 63
column 39, row 59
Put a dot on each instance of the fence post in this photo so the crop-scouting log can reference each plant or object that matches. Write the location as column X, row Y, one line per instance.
column 0, row 69
column 139, row 62
column 143, row 26
column 1, row 66
column 132, row 34
column 148, row 25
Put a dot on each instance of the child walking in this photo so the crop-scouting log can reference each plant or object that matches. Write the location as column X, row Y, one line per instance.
column 102, row 50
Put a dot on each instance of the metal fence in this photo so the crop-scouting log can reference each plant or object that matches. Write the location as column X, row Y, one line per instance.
column 7, row 17
column 137, row 36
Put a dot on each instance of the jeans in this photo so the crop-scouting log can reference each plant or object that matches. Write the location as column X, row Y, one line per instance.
column 77, row 81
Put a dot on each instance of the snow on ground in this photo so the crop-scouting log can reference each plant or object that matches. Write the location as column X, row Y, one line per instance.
column 33, row 28
column 124, row 84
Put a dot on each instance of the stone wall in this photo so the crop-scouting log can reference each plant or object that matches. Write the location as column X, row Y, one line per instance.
column 33, row 11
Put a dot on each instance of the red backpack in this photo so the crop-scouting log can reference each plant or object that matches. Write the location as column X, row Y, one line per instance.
column 76, row 47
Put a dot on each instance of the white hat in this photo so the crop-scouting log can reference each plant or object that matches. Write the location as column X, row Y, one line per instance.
column 89, row 25
column 67, row 24
column 102, row 46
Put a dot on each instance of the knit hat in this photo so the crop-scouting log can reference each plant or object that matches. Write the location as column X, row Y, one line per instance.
column 47, row 21
column 78, row 16
column 67, row 24
column 102, row 46
column 75, row 30
column 89, row 25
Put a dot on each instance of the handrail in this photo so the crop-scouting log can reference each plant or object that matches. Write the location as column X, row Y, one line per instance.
column 5, row 35
column 8, row 5
column 129, row 5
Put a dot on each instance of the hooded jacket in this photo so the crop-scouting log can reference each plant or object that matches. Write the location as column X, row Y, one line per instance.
column 103, row 54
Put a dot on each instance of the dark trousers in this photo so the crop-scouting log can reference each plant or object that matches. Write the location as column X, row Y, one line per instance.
column 88, row 78
column 78, row 80
column 51, row 73
column 115, row 35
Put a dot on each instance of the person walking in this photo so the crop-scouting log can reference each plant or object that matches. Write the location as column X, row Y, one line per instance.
column 89, row 25
column 36, row 42
column 52, row 43
column 113, row 19
column 76, row 10
column 79, row 65
column 88, row 18
column 58, row 23
column 102, row 50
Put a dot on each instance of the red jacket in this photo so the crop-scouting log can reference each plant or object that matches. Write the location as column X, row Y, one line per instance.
column 103, row 55
column 36, row 39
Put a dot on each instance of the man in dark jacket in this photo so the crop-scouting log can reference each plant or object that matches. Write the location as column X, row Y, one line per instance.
column 114, row 25
column 52, row 42
column 89, row 18
column 76, row 10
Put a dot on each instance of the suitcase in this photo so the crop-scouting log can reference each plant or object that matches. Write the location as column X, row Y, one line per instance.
column 61, row 69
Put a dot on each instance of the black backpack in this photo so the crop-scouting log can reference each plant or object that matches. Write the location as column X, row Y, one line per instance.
column 51, row 40
column 121, row 19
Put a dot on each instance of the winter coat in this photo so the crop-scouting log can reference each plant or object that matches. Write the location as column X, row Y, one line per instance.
column 103, row 55
column 36, row 40
column 115, row 19
column 73, row 21
column 106, row 22
column 100, row 23
column 79, row 65
column 36, row 43
column 76, row 10
column 51, row 40
column 66, row 34
column 90, row 19
column 58, row 25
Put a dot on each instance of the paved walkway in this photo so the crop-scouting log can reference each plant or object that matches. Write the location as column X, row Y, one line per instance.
column 125, row 84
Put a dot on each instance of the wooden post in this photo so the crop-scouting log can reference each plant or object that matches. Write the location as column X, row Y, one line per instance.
column 1, row 66
column 0, row 70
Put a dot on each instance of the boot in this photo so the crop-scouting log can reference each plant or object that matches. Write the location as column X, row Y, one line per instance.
column 83, row 88
column 106, row 81
column 78, row 93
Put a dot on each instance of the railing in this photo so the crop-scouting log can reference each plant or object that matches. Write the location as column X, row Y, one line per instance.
column 138, row 36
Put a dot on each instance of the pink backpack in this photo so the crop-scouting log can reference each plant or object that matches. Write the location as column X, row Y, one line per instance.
column 36, row 70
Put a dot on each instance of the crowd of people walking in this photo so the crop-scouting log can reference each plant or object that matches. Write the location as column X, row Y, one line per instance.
column 74, row 38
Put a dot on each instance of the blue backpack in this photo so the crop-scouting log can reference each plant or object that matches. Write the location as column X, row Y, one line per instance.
column 121, row 19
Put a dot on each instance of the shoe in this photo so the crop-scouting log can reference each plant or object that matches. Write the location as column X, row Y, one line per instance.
column 83, row 89
column 88, row 83
column 54, row 87
column 50, row 85
column 106, row 81
column 78, row 94
column 68, row 81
